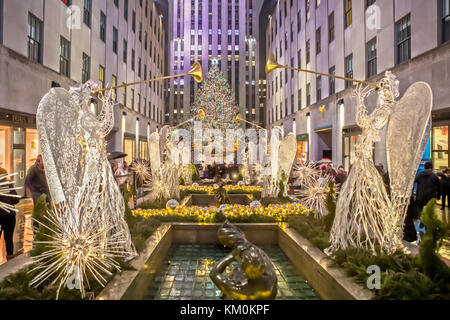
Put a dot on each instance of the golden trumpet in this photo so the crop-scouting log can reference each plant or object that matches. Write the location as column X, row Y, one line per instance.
column 196, row 72
column 239, row 118
column 200, row 115
column 272, row 65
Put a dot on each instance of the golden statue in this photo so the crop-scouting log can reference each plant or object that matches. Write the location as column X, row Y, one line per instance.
column 254, row 277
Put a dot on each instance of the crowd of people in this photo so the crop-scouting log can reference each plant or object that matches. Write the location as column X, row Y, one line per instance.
column 214, row 170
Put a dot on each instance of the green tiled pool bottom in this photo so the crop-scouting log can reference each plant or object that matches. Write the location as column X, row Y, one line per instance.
column 185, row 276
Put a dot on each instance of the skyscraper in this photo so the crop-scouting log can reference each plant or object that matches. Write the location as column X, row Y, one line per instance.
column 224, row 31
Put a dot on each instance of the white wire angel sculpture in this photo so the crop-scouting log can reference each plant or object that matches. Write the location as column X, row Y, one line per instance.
column 73, row 147
column 366, row 215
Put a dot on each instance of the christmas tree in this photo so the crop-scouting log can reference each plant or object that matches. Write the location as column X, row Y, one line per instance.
column 216, row 99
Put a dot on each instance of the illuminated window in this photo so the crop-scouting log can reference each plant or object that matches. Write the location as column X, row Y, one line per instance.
column 101, row 77
column 114, row 84
column 348, row 13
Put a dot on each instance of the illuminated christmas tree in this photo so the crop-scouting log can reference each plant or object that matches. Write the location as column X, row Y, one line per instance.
column 216, row 99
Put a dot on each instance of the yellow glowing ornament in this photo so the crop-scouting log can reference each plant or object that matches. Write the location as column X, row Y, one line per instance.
column 201, row 114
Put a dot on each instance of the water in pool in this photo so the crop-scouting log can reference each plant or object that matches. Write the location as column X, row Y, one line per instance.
column 185, row 276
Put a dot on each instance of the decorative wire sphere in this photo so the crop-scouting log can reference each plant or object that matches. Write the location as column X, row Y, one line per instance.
column 255, row 204
column 172, row 204
column 241, row 183
column 195, row 184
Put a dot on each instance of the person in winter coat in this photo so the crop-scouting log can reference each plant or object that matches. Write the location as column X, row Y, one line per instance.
column 341, row 175
column 445, row 187
column 8, row 221
column 36, row 180
column 428, row 187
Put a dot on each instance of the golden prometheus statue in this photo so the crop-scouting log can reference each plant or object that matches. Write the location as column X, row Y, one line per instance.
column 254, row 278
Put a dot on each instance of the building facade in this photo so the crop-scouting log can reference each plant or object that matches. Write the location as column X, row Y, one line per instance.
column 215, row 30
column 44, row 44
column 359, row 40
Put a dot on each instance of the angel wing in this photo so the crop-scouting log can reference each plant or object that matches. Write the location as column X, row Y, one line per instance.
column 407, row 136
column 155, row 156
column 286, row 154
column 58, row 118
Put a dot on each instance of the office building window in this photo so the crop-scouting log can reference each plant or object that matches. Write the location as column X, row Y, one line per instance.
column 318, row 41
column 319, row 88
column 286, row 107
column 299, row 99
column 115, row 39
column 308, row 52
column 102, row 26
column 372, row 57
column 349, row 70
column 308, row 11
column 124, row 96
column 404, row 39
column 86, row 68
column 125, row 10
column 348, row 13
column 125, row 51
column 308, row 94
column 133, row 22
column 445, row 20
column 132, row 98
column 64, row 57
column 369, row 3
column 299, row 20
column 331, row 27
column 101, row 77
column 114, row 84
column 133, row 59
column 332, row 80
column 292, row 104
column 138, row 109
column 87, row 12
column 292, row 64
column 34, row 38
column 139, row 67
